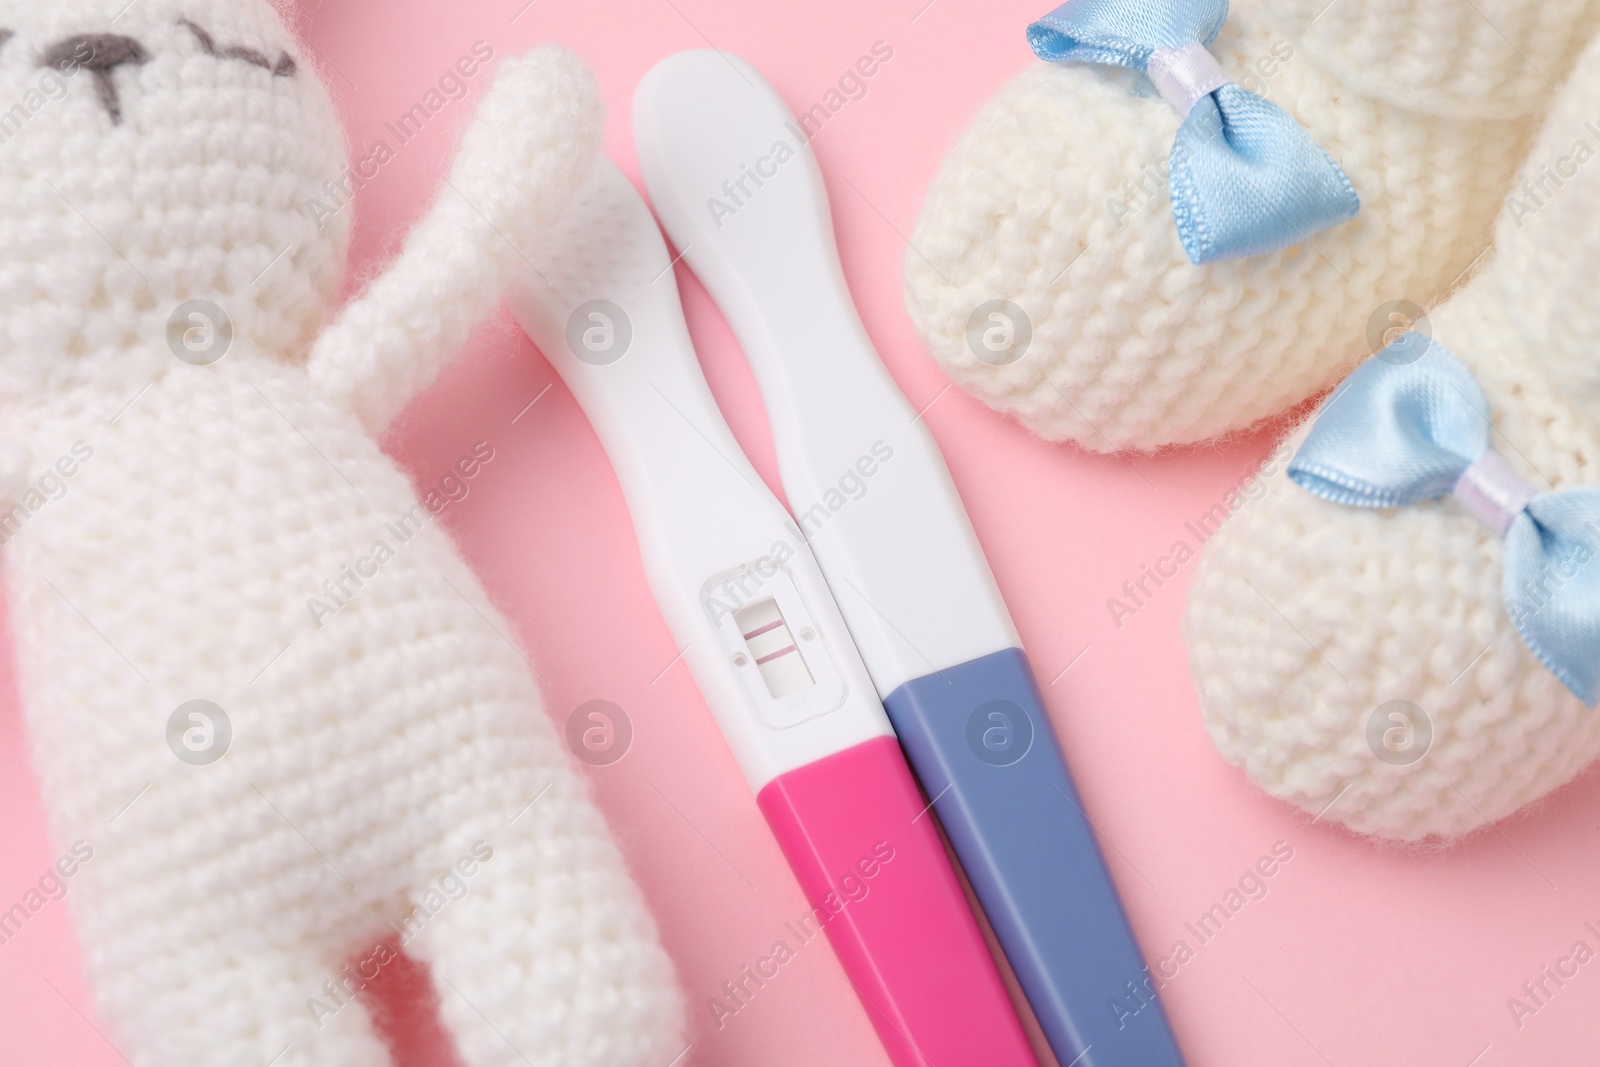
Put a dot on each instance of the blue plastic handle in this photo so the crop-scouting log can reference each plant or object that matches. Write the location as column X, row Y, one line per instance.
column 984, row 752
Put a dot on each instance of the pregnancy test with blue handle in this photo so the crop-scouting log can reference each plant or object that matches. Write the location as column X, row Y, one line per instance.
column 733, row 180
column 765, row 641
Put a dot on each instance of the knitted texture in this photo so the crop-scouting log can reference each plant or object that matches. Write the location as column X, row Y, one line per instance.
column 1484, row 59
column 381, row 351
column 232, row 532
column 1306, row 618
column 1545, row 239
column 1055, row 199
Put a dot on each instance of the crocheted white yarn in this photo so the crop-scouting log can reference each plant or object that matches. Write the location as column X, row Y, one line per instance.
column 374, row 751
column 1055, row 199
column 1306, row 616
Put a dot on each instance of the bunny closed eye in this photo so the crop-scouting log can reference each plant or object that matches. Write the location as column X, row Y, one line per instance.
column 283, row 67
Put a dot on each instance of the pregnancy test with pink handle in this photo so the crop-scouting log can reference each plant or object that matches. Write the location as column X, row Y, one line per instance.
column 743, row 596
column 733, row 179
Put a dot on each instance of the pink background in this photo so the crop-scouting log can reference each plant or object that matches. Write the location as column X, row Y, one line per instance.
column 1357, row 955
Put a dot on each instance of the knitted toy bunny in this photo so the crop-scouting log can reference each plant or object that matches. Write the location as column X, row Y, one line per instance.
column 215, row 559
column 1366, row 663
column 1053, row 213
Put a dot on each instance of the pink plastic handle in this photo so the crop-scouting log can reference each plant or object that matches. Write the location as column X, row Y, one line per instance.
column 869, row 858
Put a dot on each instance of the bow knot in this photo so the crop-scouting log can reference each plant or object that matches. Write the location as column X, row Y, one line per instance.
column 1245, row 178
column 1401, row 432
column 1491, row 492
column 1185, row 76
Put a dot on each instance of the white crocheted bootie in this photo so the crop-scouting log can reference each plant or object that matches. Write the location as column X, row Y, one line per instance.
column 1363, row 664
column 1046, row 272
column 278, row 725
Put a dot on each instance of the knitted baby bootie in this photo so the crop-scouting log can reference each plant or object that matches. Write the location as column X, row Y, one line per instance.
column 1047, row 273
column 1400, row 633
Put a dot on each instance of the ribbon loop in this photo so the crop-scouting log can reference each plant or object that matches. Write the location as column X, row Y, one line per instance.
column 1396, row 433
column 1123, row 33
column 1245, row 178
column 1404, row 431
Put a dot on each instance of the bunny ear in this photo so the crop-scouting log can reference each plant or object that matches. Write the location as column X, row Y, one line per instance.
column 1548, row 240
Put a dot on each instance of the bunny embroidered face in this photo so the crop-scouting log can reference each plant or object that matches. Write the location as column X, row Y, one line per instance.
column 152, row 154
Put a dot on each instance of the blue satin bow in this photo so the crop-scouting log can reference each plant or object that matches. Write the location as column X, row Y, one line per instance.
column 1405, row 428
column 1245, row 178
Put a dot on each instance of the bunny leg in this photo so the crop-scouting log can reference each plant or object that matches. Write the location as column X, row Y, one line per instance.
column 543, row 955
column 250, row 997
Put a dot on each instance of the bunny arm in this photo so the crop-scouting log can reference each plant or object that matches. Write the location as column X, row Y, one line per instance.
column 533, row 139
